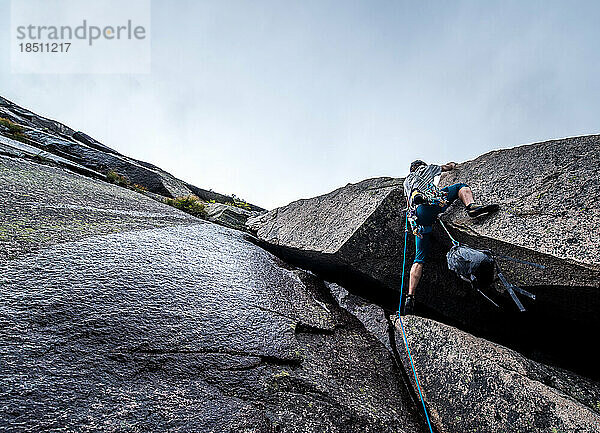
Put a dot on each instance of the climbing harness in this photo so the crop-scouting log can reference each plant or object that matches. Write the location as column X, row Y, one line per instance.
column 465, row 261
column 412, row 365
column 424, row 193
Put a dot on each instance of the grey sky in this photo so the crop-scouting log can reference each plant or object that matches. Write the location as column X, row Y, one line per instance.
column 279, row 100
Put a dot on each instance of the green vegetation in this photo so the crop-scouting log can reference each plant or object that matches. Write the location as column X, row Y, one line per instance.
column 114, row 177
column 118, row 179
column 240, row 204
column 281, row 374
column 237, row 202
column 12, row 130
column 41, row 159
column 189, row 204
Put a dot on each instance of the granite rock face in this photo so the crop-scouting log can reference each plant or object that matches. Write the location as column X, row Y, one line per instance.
column 541, row 188
column 169, row 323
column 120, row 313
column 24, row 117
column 46, row 140
column 355, row 236
column 57, row 139
column 42, row 205
column 470, row 384
column 548, row 215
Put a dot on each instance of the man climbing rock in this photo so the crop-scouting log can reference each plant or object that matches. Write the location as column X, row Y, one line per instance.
column 425, row 202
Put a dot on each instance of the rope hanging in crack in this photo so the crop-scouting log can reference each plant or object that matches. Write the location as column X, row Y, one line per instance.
column 412, row 365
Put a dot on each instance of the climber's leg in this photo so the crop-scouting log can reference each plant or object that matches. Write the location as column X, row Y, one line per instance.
column 466, row 195
column 464, row 192
column 459, row 190
column 415, row 275
column 416, row 271
column 421, row 250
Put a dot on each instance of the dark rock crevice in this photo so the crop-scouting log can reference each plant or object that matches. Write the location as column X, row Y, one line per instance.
column 550, row 331
column 329, row 269
column 555, row 328
column 377, row 321
column 406, row 374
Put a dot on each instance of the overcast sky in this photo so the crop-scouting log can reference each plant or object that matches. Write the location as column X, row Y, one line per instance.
column 280, row 100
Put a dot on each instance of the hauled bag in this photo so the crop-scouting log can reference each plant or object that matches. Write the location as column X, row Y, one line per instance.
column 478, row 268
column 473, row 266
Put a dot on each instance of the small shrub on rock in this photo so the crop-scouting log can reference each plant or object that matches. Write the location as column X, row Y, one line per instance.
column 12, row 130
column 189, row 204
column 114, row 177
column 118, row 179
column 240, row 204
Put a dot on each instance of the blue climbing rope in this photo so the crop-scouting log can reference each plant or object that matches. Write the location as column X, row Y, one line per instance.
column 412, row 365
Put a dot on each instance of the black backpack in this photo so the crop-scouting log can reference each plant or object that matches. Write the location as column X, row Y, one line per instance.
column 478, row 267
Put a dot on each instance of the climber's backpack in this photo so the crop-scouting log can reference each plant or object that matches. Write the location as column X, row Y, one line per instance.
column 473, row 266
column 477, row 268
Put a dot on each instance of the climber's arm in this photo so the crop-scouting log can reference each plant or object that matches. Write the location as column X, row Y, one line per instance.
column 448, row 166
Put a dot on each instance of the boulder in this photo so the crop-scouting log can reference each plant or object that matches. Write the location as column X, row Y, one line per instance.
column 228, row 216
column 541, row 187
column 169, row 323
column 470, row 384
column 352, row 235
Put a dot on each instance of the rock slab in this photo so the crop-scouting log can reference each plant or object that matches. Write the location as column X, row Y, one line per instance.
column 471, row 384
column 171, row 324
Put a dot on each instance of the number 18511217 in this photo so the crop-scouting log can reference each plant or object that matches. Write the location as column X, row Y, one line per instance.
column 48, row 47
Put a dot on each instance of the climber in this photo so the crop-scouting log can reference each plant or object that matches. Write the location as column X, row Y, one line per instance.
column 425, row 202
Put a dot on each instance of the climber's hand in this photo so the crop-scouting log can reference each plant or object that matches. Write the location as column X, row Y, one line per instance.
column 449, row 166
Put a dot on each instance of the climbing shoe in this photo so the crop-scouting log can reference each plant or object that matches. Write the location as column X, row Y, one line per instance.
column 475, row 210
column 409, row 305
